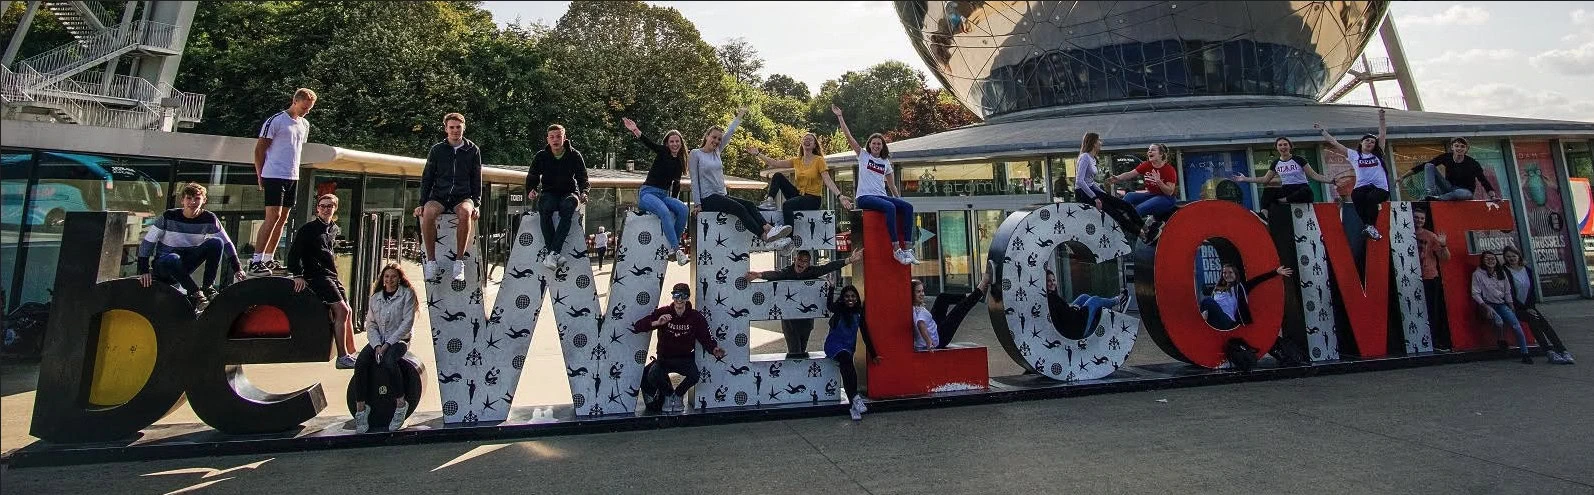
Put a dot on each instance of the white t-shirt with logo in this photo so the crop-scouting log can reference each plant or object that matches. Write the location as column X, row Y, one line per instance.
column 1369, row 170
column 872, row 173
column 1289, row 171
column 922, row 314
column 288, row 136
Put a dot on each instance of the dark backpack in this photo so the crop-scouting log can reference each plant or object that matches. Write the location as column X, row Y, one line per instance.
column 1288, row 352
column 1241, row 355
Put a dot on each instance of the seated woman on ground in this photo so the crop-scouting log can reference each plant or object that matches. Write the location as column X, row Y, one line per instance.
column 388, row 319
column 1075, row 320
column 1491, row 289
column 805, row 189
column 933, row 329
column 846, row 322
column 1527, row 307
column 1228, row 306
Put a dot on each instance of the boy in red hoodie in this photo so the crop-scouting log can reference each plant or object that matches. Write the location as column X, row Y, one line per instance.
column 678, row 326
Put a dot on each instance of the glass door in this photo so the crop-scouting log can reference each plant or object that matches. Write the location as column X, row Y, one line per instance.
column 957, row 272
column 381, row 244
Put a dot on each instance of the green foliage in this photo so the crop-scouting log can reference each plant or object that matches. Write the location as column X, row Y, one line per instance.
column 740, row 60
column 871, row 98
column 784, row 85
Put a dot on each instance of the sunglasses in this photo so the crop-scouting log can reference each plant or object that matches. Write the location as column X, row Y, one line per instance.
column 681, row 296
column 326, row 205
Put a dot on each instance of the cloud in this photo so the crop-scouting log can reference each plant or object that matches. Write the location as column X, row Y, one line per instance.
column 1582, row 17
column 1506, row 100
column 1474, row 55
column 1456, row 15
column 1572, row 62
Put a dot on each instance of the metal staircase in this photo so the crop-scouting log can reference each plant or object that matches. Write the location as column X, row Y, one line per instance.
column 64, row 85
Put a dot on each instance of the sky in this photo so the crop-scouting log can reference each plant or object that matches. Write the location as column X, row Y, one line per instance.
column 1518, row 59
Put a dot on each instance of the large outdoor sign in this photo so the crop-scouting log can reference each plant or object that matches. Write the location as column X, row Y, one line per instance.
column 1350, row 296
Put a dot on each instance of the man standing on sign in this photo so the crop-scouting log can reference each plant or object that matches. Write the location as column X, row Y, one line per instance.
column 452, row 182
column 562, row 175
column 277, row 152
column 312, row 264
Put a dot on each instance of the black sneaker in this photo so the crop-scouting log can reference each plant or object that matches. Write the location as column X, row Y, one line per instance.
column 276, row 266
column 208, row 292
column 199, row 301
column 257, row 269
column 1526, row 359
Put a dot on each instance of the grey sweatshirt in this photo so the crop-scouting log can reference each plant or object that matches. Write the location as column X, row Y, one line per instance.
column 708, row 168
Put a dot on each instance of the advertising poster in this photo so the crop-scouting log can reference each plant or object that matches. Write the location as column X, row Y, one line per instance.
column 1210, row 175
column 1547, row 225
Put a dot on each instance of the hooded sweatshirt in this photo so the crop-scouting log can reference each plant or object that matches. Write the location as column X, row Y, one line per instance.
column 558, row 176
column 676, row 337
column 453, row 173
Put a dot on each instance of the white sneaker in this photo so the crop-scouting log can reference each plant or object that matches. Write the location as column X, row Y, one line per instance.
column 563, row 259
column 777, row 232
column 857, row 409
column 459, row 271
column 551, row 261
column 902, row 257
column 1372, row 232
column 429, row 270
column 362, row 420
column 859, row 402
column 681, row 258
column 912, row 260
column 400, row 410
column 780, row 244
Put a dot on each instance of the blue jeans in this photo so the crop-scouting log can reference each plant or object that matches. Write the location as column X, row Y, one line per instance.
column 1440, row 188
column 1150, row 203
column 1508, row 318
column 898, row 213
column 177, row 266
column 1092, row 305
column 671, row 213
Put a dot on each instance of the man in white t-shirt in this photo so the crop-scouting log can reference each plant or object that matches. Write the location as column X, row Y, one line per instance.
column 282, row 138
column 600, row 244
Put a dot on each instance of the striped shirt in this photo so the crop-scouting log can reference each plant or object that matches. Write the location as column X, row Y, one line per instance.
column 173, row 231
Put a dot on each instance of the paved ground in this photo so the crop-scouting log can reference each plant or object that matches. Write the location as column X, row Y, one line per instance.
column 1485, row 427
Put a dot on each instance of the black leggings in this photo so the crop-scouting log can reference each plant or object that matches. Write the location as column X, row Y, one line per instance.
column 849, row 373
column 795, row 201
column 743, row 209
column 1438, row 321
column 1296, row 193
column 1366, row 199
column 1120, row 211
column 1542, row 332
column 949, row 311
column 684, row 366
column 366, row 368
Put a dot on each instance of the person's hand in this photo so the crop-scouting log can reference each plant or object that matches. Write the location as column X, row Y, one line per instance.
column 260, row 183
column 1318, row 126
column 1111, row 179
column 1494, row 195
column 474, row 214
column 1285, row 271
column 581, row 198
column 238, row 276
column 719, row 353
column 753, row 275
column 1153, row 180
column 1443, row 239
column 835, row 110
column 663, row 320
column 1380, row 114
column 1241, row 178
column 417, row 212
column 630, row 125
column 846, row 202
column 531, row 195
column 1098, row 204
column 696, row 209
column 752, row 150
column 874, row 360
column 740, row 112
column 855, row 257
column 145, row 279
column 298, row 284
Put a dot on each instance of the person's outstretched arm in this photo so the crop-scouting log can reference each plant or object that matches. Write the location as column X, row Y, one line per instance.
column 842, row 121
column 830, row 183
column 725, row 139
column 769, row 162
column 1331, row 142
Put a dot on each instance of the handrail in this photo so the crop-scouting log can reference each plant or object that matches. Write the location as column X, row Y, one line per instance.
column 122, row 86
column 73, row 55
column 190, row 107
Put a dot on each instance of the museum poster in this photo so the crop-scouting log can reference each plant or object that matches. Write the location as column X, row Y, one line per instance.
column 1210, row 175
column 1547, row 226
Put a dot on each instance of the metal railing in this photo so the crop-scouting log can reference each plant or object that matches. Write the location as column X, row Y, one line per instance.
column 58, row 97
column 125, row 87
column 100, row 47
column 190, row 106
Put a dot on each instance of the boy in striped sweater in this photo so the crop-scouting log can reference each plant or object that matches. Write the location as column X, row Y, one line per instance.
column 180, row 240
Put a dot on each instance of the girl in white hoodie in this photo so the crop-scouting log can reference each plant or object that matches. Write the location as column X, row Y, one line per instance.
column 388, row 319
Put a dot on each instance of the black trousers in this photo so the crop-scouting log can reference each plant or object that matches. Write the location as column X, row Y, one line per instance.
column 849, row 373
column 1120, row 211
column 797, row 333
column 547, row 206
column 795, row 201
column 601, row 251
column 1438, row 321
column 659, row 375
column 366, row 368
column 1542, row 332
column 1367, row 199
column 743, row 209
column 949, row 311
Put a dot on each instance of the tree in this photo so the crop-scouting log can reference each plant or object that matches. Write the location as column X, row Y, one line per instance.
column 784, row 85
column 740, row 60
column 929, row 111
column 871, row 98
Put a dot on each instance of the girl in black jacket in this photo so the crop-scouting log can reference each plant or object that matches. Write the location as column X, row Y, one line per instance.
column 1526, row 301
column 846, row 323
column 1228, row 306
